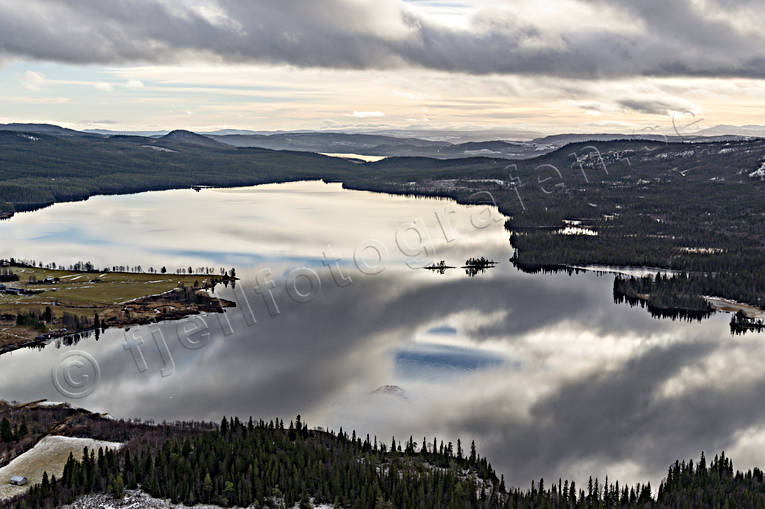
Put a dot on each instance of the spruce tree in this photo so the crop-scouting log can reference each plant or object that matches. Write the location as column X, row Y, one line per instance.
column 6, row 433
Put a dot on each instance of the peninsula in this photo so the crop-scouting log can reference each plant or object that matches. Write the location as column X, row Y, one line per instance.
column 42, row 303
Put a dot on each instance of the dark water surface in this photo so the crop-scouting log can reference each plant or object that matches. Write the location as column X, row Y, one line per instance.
column 544, row 372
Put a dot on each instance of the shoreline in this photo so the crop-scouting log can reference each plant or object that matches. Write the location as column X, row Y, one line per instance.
column 395, row 189
column 35, row 323
column 717, row 304
column 731, row 306
column 214, row 305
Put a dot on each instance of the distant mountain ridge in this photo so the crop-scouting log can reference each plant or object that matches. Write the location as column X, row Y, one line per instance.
column 560, row 140
column 42, row 129
column 184, row 137
column 117, row 132
column 392, row 145
column 757, row 131
column 383, row 145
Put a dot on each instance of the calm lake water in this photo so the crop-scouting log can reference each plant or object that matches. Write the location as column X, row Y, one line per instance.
column 544, row 372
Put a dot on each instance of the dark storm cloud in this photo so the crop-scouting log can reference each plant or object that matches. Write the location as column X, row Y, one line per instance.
column 612, row 416
column 673, row 38
column 654, row 107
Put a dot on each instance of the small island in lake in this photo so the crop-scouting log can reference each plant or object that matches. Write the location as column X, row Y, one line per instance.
column 474, row 266
column 440, row 267
column 740, row 323
column 41, row 303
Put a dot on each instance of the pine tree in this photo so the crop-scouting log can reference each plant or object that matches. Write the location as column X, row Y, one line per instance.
column 118, row 487
column 207, row 487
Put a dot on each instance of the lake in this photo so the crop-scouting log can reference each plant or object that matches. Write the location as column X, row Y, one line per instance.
column 337, row 320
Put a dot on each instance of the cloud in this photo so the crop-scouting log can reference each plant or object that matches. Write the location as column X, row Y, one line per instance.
column 601, row 418
column 103, row 86
column 98, row 122
column 367, row 114
column 649, row 38
column 134, row 84
column 32, row 80
column 39, row 100
column 657, row 107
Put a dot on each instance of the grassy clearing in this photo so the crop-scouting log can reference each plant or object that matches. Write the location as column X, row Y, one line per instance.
column 74, row 298
column 77, row 288
column 49, row 455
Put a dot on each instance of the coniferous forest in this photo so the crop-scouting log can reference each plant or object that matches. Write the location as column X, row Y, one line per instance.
column 270, row 464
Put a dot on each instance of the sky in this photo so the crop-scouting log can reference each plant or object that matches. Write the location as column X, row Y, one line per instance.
column 516, row 66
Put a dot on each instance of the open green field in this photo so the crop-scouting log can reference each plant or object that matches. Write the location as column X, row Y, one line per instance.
column 94, row 289
column 73, row 299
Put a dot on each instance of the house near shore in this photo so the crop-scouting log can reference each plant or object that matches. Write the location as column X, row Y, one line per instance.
column 18, row 480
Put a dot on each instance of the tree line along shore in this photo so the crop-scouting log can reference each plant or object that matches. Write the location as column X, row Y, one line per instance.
column 39, row 302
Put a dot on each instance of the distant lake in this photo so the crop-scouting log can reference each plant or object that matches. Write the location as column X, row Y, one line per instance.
column 338, row 321
column 361, row 157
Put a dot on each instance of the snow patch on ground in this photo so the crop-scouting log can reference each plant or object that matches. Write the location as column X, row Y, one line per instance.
column 135, row 499
column 51, row 403
column 158, row 149
column 627, row 271
column 363, row 157
column 732, row 306
column 759, row 173
column 49, row 455
column 577, row 230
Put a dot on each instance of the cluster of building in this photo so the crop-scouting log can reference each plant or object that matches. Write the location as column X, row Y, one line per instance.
column 48, row 281
column 17, row 291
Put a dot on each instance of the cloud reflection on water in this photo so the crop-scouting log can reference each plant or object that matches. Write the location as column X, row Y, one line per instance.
column 543, row 371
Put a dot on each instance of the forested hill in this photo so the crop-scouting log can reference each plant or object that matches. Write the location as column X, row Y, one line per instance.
column 695, row 207
column 37, row 169
column 267, row 464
